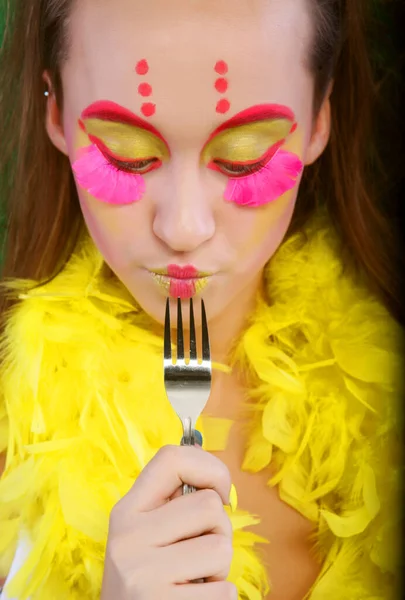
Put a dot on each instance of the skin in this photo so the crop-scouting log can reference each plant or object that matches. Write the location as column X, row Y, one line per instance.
column 183, row 219
column 156, row 548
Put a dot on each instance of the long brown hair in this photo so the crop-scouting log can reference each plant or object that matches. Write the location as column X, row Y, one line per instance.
column 43, row 217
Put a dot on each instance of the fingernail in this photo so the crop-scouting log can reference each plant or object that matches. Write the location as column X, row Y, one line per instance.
column 233, row 499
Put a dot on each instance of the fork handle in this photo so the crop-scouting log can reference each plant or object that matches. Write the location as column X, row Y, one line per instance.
column 193, row 438
column 188, row 489
column 190, row 440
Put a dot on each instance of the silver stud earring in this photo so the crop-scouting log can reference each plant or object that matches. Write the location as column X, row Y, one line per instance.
column 46, row 93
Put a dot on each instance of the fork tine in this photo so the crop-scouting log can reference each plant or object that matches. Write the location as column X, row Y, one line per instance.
column 193, row 343
column 180, row 337
column 206, row 354
column 167, row 343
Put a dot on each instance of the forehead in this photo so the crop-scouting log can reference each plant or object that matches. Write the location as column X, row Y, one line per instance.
column 263, row 42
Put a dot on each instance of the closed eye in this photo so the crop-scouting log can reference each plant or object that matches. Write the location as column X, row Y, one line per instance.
column 238, row 170
column 137, row 167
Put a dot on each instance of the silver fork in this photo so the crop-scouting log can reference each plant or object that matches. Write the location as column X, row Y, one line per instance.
column 188, row 384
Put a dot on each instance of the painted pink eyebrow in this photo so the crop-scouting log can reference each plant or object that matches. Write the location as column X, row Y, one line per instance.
column 259, row 112
column 107, row 110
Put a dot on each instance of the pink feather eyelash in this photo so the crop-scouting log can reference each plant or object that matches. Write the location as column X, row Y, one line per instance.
column 104, row 181
column 273, row 180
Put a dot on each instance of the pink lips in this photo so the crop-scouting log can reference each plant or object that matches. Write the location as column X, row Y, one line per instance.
column 186, row 272
column 182, row 281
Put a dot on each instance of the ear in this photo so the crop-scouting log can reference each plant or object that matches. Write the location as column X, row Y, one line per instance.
column 321, row 130
column 53, row 120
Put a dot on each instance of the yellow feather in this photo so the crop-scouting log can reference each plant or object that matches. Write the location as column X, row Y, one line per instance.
column 83, row 409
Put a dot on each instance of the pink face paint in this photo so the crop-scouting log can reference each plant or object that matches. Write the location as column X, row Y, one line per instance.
column 221, row 85
column 142, row 67
column 104, row 181
column 273, row 180
column 148, row 109
column 221, row 67
column 223, row 106
column 144, row 89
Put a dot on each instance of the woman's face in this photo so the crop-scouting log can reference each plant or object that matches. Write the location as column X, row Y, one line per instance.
column 187, row 124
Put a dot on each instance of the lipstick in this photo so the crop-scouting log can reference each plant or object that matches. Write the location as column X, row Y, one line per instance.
column 181, row 281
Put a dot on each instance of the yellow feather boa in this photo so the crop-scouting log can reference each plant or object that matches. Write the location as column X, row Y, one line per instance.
column 82, row 377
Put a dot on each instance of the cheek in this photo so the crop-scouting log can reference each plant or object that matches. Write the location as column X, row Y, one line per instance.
column 267, row 185
column 113, row 230
column 95, row 174
column 104, row 227
column 264, row 230
column 278, row 177
column 268, row 202
column 74, row 136
column 105, row 182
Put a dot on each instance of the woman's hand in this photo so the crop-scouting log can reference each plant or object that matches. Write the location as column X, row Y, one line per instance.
column 156, row 547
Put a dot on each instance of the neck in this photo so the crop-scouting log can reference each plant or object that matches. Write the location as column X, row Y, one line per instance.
column 227, row 327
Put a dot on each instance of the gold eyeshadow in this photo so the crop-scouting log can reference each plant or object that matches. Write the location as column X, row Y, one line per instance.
column 126, row 141
column 247, row 142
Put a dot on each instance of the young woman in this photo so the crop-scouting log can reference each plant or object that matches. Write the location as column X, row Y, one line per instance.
column 218, row 150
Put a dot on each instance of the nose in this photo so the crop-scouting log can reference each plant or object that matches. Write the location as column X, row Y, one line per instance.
column 184, row 218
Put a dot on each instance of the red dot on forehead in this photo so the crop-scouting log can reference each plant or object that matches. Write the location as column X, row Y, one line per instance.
column 148, row 109
column 223, row 106
column 221, row 85
column 221, row 67
column 145, row 89
column 142, row 67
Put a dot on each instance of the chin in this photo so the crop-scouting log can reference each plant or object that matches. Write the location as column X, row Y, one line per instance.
column 154, row 305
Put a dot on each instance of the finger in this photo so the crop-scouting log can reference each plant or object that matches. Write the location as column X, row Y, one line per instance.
column 199, row 440
column 179, row 491
column 170, row 468
column 177, row 494
column 218, row 590
column 185, row 517
column 208, row 556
